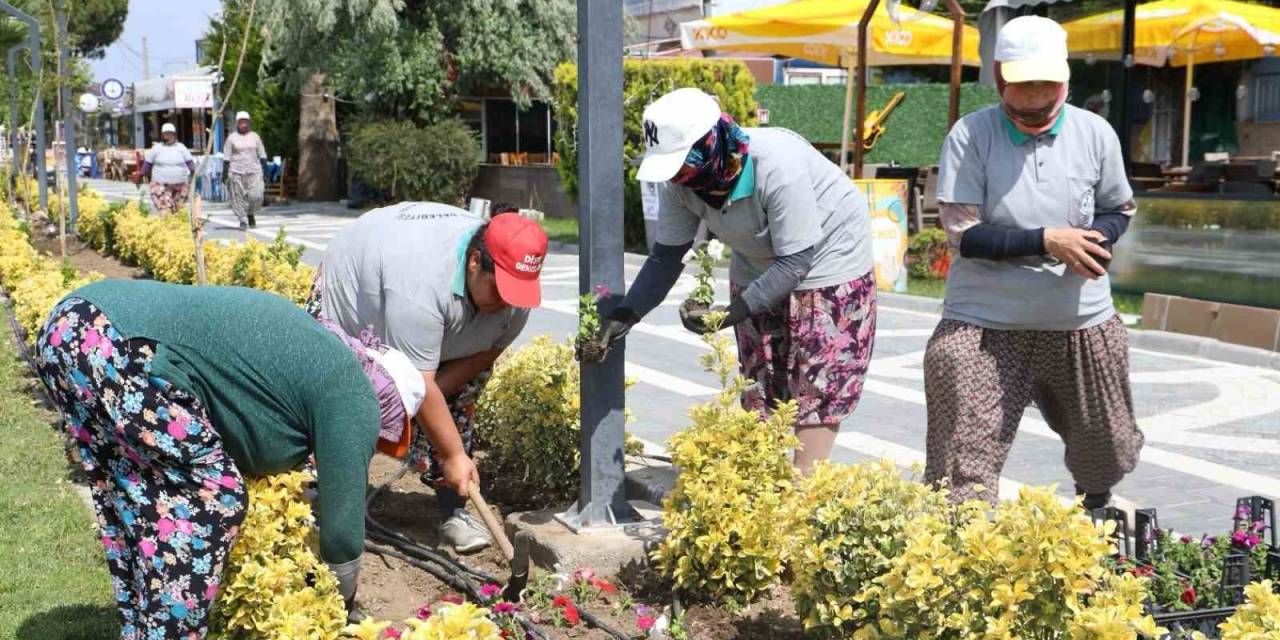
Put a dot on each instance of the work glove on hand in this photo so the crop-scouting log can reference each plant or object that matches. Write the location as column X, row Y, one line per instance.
column 348, row 574
column 612, row 329
column 693, row 317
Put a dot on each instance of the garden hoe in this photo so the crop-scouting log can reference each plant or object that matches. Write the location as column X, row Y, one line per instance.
column 517, row 556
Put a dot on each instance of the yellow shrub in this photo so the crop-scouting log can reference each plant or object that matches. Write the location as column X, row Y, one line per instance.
column 1033, row 569
column 276, row 586
column 847, row 525
column 528, row 418
column 725, row 541
column 1257, row 619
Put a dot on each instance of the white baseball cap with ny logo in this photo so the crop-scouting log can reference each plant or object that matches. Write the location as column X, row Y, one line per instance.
column 672, row 125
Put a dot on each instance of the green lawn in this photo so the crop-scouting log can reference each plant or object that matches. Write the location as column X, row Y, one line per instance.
column 53, row 580
column 564, row 230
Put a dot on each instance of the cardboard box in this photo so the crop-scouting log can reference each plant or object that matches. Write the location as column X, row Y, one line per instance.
column 1249, row 326
column 1231, row 323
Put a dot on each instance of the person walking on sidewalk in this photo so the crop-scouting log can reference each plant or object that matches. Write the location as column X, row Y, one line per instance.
column 1032, row 194
column 174, row 393
column 803, row 299
column 244, row 163
column 169, row 166
column 452, row 292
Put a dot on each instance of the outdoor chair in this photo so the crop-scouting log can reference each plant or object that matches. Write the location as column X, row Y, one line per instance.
column 929, row 203
column 1144, row 176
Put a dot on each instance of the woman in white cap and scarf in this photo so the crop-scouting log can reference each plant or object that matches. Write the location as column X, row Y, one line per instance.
column 244, row 161
column 802, row 301
column 1032, row 193
column 174, row 393
column 169, row 166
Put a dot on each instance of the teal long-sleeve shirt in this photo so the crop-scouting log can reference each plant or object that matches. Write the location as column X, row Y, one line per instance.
column 277, row 386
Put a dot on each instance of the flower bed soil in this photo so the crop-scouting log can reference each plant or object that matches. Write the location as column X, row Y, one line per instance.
column 82, row 256
column 394, row 590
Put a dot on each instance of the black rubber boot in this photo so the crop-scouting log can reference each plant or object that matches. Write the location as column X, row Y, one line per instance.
column 1096, row 500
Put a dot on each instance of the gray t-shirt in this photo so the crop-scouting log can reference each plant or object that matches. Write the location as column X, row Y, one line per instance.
column 400, row 270
column 169, row 162
column 1056, row 180
column 789, row 198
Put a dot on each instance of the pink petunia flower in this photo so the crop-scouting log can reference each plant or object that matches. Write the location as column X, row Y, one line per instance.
column 504, row 608
column 424, row 612
column 490, row 591
column 392, row 633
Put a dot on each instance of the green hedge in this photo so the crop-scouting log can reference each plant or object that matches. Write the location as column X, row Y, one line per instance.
column 1243, row 215
column 435, row 163
column 913, row 134
column 643, row 82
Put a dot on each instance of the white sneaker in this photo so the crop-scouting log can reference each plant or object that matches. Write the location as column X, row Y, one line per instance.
column 464, row 534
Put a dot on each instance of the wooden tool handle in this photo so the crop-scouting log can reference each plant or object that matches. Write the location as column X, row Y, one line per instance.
column 490, row 521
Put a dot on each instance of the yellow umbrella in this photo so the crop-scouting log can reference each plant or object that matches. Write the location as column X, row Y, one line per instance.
column 826, row 30
column 1180, row 33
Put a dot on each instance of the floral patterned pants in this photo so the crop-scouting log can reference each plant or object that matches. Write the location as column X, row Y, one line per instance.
column 168, row 197
column 978, row 382
column 169, row 500
column 814, row 347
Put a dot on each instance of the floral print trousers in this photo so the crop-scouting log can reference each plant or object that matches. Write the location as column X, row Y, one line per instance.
column 814, row 348
column 169, row 500
column 978, row 382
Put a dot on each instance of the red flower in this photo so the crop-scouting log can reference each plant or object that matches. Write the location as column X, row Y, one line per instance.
column 571, row 615
column 561, row 601
column 1189, row 596
column 604, row 585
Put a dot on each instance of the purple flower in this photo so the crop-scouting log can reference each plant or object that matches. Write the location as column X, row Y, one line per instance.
column 1259, row 526
column 1208, row 541
column 1243, row 512
column 504, row 608
column 1245, row 539
column 490, row 591
column 1185, row 540
column 602, row 291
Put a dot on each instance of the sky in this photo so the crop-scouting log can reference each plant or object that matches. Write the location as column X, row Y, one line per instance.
column 171, row 28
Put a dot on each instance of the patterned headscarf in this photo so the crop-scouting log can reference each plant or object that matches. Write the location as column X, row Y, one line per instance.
column 390, row 405
column 718, row 160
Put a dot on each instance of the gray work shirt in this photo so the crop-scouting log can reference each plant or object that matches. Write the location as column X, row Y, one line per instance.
column 169, row 162
column 401, row 269
column 1056, row 180
column 789, row 198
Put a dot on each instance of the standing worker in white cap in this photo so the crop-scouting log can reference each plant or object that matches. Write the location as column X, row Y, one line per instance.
column 803, row 299
column 244, row 161
column 1033, row 194
column 168, row 165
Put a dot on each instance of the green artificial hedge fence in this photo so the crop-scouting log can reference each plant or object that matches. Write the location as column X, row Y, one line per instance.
column 913, row 134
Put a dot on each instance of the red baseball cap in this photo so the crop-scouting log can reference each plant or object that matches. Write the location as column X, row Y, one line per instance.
column 518, row 246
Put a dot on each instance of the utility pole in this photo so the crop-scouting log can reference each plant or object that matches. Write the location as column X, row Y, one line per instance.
column 602, row 500
column 146, row 60
column 68, row 125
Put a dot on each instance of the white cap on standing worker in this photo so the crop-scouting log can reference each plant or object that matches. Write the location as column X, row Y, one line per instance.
column 168, row 128
column 1031, row 49
column 242, row 115
column 672, row 125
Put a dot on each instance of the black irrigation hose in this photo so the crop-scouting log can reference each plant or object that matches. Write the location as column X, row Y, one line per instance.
column 402, row 541
column 593, row 621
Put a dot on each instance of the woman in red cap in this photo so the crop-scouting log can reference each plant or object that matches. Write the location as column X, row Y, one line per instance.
column 452, row 292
